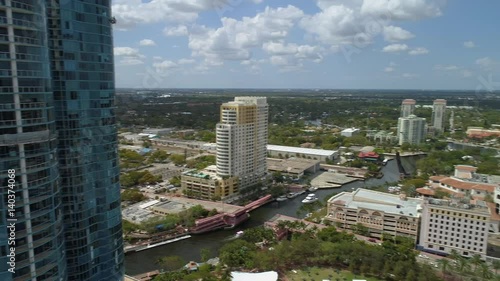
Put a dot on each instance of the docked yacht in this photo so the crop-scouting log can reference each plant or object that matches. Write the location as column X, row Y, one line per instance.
column 310, row 198
column 282, row 198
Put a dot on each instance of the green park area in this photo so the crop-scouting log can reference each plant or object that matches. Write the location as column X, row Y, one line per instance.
column 331, row 274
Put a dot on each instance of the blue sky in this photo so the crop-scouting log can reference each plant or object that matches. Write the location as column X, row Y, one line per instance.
column 338, row 44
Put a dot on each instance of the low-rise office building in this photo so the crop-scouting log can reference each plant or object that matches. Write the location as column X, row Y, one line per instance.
column 379, row 212
column 295, row 167
column 448, row 225
column 322, row 155
column 206, row 184
column 350, row 132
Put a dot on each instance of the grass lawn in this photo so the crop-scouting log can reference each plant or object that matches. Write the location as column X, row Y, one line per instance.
column 320, row 274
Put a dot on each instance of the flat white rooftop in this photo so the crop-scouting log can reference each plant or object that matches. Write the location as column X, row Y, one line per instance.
column 292, row 149
column 149, row 204
column 246, row 276
column 379, row 201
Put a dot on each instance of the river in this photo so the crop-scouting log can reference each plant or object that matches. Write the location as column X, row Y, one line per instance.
column 189, row 249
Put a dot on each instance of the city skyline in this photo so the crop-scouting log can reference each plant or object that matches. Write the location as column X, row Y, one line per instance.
column 259, row 44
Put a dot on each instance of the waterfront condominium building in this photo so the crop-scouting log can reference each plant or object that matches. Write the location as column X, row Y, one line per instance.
column 448, row 225
column 81, row 53
column 57, row 79
column 438, row 115
column 411, row 130
column 407, row 107
column 242, row 140
column 28, row 149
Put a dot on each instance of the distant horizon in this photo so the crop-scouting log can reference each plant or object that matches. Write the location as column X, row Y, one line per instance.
column 308, row 89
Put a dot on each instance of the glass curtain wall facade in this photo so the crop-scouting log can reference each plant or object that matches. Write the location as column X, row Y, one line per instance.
column 81, row 53
column 28, row 148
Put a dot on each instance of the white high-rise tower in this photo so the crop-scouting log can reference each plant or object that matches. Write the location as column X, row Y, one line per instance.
column 242, row 140
column 407, row 107
column 438, row 115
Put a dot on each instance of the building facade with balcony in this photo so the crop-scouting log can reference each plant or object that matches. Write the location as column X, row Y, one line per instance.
column 28, row 148
column 379, row 212
column 448, row 225
column 57, row 131
column 242, row 139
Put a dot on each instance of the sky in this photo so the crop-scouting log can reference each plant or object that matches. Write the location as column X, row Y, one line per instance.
column 334, row 44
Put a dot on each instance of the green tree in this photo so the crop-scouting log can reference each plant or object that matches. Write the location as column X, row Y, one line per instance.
column 236, row 253
column 132, row 195
column 476, row 261
column 178, row 159
column 170, row 263
column 205, row 254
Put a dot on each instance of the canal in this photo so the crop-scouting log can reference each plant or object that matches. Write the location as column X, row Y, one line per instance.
column 189, row 249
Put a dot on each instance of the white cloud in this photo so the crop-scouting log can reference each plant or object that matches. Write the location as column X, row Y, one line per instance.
column 466, row 73
column 180, row 30
column 165, row 67
column 127, row 51
column 453, row 70
column 446, row 67
column 128, row 56
column 392, row 63
column 147, row 42
column 409, row 75
column 235, row 39
column 469, row 44
column 130, row 61
column 389, row 69
column 157, row 58
column 396, row 33
column 257, row 1
column 395, row 48
column 402, row 9
column 486, row 63
column 338, row 25
column 132, row 12
column 186, row 61
column 418, row 51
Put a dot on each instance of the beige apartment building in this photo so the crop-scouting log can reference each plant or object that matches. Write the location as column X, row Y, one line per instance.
column 242, row 139
column 379, row 212
column 448, row 225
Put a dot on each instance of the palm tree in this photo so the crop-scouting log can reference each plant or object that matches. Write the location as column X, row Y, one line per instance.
column 444, row 263
column 476, row 261
column 485, row 271
column 496, row 266
column 463, row 264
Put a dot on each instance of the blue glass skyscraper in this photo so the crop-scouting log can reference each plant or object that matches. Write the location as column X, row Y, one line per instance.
column 81, row 54
column 28, row 149
column 67, row 204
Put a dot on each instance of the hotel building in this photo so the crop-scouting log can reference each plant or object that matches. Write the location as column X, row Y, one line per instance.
column 379, row 212
column 448, row 225
column 242, row 139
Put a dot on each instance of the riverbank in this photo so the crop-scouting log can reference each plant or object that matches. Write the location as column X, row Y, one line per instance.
column 189, row 249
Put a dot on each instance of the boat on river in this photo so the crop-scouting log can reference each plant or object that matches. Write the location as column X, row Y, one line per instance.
column 282, row 198
column 310, row 199
column 292, row 195
column 312, row 189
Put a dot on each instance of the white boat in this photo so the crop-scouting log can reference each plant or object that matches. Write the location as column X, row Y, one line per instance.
column 301, row 192
column 385, row 161
column 310, row 199
column 292, row 195
column 312, row 189
column 281, row 198
column 239, row 234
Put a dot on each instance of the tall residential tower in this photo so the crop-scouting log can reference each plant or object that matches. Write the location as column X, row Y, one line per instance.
column 438, row 115
column 57, row 96
column 407, row 107
column 28, row 149
column 411, row 130
column 242, row 140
